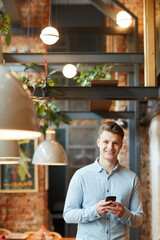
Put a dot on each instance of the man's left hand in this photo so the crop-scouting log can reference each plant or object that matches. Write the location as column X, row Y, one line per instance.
column 116, row 209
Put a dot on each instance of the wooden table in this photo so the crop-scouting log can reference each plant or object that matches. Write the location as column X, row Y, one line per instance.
column 68, row 238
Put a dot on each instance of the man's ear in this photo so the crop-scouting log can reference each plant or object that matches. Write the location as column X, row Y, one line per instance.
column 98, row 142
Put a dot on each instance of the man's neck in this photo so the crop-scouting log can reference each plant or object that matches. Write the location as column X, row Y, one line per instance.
column 107, row 165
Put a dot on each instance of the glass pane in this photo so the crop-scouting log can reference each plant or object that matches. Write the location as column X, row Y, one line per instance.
column 81, row 156
column 82, row 136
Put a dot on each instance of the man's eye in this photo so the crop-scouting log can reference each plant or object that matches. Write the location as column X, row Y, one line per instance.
column 115, row 143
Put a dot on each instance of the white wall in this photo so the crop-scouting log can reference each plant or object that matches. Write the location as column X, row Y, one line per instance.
column 154, row 133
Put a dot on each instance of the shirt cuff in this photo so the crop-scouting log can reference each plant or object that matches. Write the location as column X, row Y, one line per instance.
column 93, row 214
column 126, row 216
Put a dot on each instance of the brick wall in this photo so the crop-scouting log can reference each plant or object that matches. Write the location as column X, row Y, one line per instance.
column 30, row 210
column 20, row 212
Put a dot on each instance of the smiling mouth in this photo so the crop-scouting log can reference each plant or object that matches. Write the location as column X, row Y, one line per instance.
column 110, row 153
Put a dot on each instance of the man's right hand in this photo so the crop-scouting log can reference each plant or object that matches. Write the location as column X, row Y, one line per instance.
column 101, row 207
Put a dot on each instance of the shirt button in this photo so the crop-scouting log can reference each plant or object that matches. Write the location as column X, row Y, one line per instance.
column 107, row 190
column 107, row 232
column 107, row 218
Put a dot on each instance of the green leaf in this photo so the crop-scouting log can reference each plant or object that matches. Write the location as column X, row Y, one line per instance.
column 54, row 91
column 36, row 104
column 41, row 109
column 8, row 38
column 50, row 84
column 4, row 22
column 29, row 66
column 57, row 81
column 38, row 84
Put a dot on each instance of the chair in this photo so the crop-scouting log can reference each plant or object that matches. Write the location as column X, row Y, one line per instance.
column 30, row 233
column 55, row 235
column 4, row 231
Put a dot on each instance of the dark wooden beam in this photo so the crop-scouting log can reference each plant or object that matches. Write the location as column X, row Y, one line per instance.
column 78, row 30
column 100, row 93
column 58, row 57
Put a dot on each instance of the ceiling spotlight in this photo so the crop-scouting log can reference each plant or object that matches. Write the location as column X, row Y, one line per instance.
column 69, row 71
column 123, row 19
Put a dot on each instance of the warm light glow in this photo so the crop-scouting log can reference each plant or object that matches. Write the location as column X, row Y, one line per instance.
column 6, row 134
column 9, row 152
column 18, row 118
column 49, row 35
column 69, row 71
column 9, row 161
column 123, row 19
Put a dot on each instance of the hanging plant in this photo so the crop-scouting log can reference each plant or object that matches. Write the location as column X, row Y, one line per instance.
column 47, row 110
column 92, row 73
column 5, row 25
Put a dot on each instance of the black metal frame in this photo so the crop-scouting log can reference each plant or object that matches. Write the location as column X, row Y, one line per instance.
column 133, row 93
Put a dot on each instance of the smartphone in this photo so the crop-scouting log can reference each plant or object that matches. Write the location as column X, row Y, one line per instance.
column 110, row 198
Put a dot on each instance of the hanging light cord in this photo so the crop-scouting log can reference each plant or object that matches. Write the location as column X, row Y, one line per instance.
column 49, row 12
column 29, row 16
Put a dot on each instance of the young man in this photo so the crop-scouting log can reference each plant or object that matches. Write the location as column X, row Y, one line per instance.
column 85, row 201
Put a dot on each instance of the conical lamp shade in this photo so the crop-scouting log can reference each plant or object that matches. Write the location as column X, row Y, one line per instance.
column 18, row 117
column 50, row 152
column 9, row 152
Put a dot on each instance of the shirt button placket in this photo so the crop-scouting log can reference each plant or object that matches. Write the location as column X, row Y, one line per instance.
column 108, row 186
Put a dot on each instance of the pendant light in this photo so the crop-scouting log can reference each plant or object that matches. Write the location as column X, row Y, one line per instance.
column 18, row 117
column 123, row 19
column 50, row 152
column 49, row 35
column 9, row 152
column 69, row 71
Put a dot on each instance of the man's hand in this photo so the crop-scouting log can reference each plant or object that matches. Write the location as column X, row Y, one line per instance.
column 101, row 207
column 116, row 209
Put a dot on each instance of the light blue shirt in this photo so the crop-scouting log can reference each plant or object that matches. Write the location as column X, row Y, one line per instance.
column 91, row 184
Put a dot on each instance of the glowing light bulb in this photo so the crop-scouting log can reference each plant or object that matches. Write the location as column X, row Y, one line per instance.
column 49, row 35
column 69, row 71
column 123, row 19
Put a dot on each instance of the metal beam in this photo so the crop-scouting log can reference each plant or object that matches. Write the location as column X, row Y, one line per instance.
column 101, row 93
column 51, row 67
column 105, row 9
column 78, row 30
column 99, row 114
column 22, row 58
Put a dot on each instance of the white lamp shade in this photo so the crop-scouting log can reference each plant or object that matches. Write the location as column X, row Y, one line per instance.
column 9, row 152
column 18, row 117
column 123, row 19
column 49, row 35
column 69, row 71
column 50, row 152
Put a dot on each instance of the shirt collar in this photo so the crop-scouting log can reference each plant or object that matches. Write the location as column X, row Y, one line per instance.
column 99, row 168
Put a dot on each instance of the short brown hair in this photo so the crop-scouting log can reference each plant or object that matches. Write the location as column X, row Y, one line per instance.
column 112, row 127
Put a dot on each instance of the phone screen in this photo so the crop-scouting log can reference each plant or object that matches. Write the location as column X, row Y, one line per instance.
column 111, row 198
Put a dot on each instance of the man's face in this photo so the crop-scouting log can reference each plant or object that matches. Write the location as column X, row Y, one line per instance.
column 109, row 145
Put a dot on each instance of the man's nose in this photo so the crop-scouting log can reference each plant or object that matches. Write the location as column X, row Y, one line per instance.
column 110, row 145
